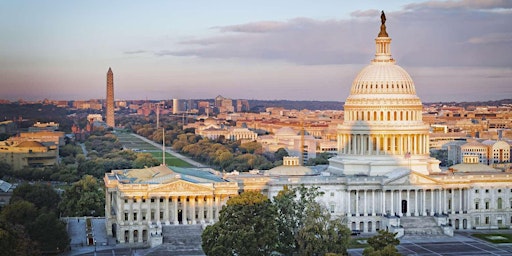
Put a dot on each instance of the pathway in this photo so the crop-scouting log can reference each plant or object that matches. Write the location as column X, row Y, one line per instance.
column 172, row 152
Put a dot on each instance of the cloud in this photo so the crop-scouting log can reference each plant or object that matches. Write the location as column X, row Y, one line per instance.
column 365, row 13
column 462, row 4
column 254, row 27
column 426, row 37
column 492, row 38
column 300, row 40
column 135, row 52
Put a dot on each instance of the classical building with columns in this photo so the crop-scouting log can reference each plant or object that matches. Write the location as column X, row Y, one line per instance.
column 140, row 201
column 382, row 178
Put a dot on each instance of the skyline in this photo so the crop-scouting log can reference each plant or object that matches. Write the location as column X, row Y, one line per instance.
column 453, row 50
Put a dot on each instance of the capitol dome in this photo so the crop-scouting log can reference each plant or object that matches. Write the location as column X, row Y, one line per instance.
column 383, row 127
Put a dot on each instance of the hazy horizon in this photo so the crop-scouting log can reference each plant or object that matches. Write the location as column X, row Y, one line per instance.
column 291, row 50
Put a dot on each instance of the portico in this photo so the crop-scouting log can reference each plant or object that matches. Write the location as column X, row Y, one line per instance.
column 140, row 201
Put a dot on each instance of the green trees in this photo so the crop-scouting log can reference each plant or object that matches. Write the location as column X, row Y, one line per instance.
column 245, row 227
column 84, row 198
column 382, row 244
column 29, row 223
column 292, row 224
column 305, row 227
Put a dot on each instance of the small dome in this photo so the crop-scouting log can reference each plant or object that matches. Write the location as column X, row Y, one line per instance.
column 30, row 144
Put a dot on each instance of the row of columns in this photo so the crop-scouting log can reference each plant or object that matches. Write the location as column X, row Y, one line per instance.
column 366, row 144
column 418, row 202
column 165, row 209
column 361, row 115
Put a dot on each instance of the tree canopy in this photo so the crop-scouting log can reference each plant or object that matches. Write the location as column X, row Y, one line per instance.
column 84, row 198
column 245, row 227
column 382, row 244
column 294, row 223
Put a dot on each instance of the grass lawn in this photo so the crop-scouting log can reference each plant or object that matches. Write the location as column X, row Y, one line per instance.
column 132, row 142
column 358, row 243
column 495, row 238
column 169, row 159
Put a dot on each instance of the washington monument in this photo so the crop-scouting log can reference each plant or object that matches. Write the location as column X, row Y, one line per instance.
column 110, row 98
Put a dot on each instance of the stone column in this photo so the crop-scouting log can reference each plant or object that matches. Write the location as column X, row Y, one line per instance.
column 349, row 209
column 217, row 207
column 440, row 203
column 108, row 204
column 130, row 211
column 209, row 205
column 365, row 211
column 432, row 211
column 157, row 212
column 400, row 203
column 460, row 200
column 184, row 210
column 393, row 211
column 148, row 210
column 383, row 202
column 139, row 215
column 373, row 202
column 130, row 236
column 175, row 211
column 424, row 202
column 357, row 202
column 167, row 210
column 408, row 208
column 120, row 205
column 416, row 213
column 200, row 202
column 393, row 144
column 193, row 210
column 452, row 203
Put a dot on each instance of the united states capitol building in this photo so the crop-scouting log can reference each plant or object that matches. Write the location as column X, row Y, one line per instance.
column 382, row 178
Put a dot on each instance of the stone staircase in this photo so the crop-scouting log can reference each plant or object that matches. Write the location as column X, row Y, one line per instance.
column 179, row 240
column 421, row 226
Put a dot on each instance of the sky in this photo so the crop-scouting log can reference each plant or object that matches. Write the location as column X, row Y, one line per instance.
column 456, row 50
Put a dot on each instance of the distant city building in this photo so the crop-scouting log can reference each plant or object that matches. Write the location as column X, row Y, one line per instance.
column 179, row 106
column 20, row 154
column 110, row 99
column 49, row 126
column 242, row 106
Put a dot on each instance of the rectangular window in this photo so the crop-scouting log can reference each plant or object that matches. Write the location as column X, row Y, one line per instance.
column 487, row 205
column 152, row 215
column 332, row 193
column 477, row 220
column 486, row 219
column 126, row 216
column 161, row 215
column 134, row 216
column 332, row 208
column 477, row 205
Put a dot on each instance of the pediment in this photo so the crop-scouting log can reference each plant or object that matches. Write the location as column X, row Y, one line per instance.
column 181, row 187
column 412, row 178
